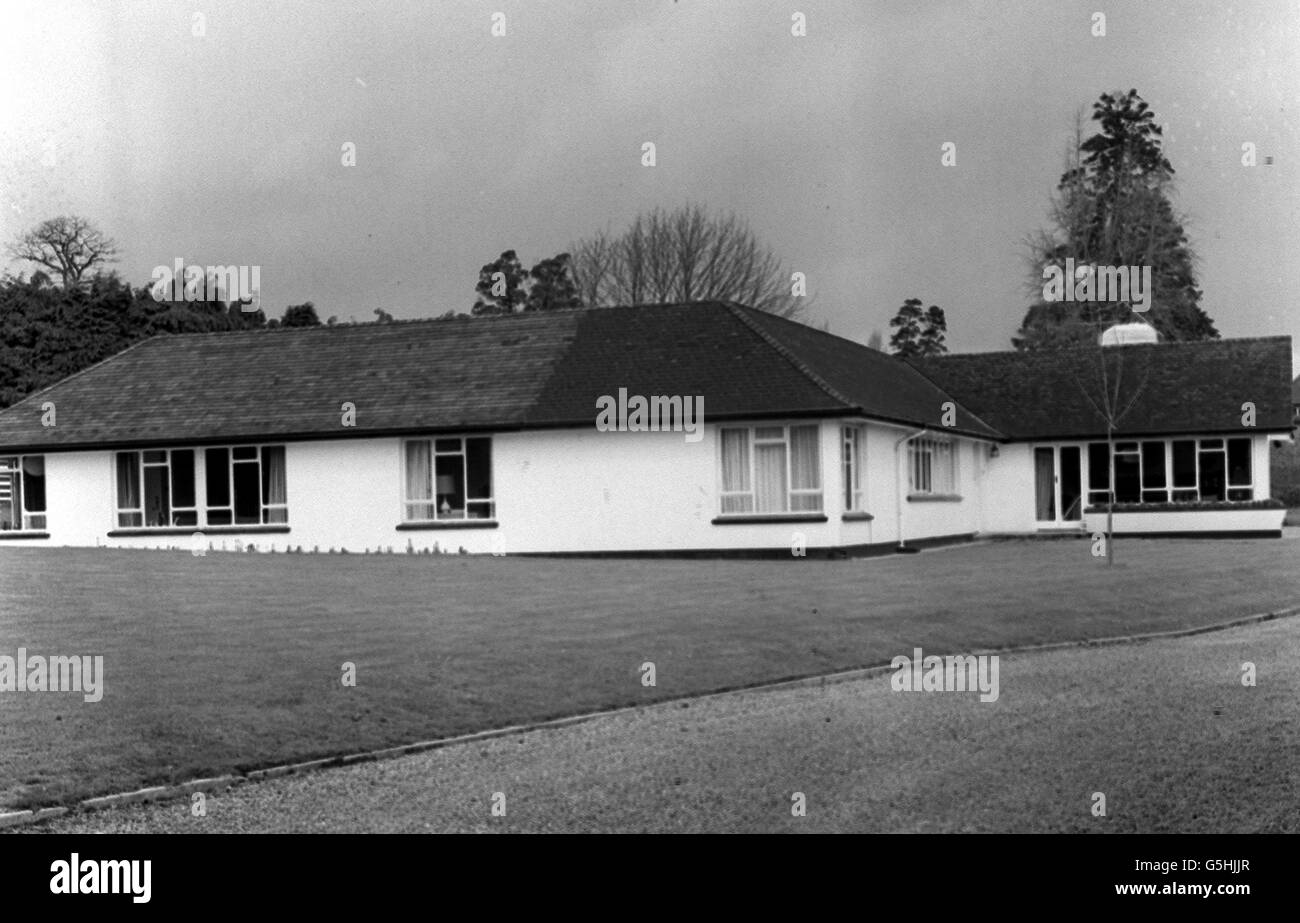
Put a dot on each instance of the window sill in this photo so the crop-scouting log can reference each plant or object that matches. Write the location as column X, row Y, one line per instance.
column 190, row 530
column 857, row 516
column 749, row 519
column 448, row 524
column 934, row 498
column 20, row 533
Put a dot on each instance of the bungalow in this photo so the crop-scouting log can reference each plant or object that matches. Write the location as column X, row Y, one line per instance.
column 494, row 435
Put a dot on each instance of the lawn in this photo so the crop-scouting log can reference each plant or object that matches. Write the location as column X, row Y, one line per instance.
column 234, row 661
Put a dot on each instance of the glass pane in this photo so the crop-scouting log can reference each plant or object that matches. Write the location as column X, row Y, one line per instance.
column 742, row 503
column 1044, row 485
column 1126, row 447
column 275, row 515
column 1238, row 462
column 1071, row 484
column 1153, row 464
column 246, row 451
column 1184, row 463
column 1153, row 496
column 34, row 483
column 185, row 518
column 479, row 509
column 1211, row 443
column 770, row 478
column 805, row 458
column 735, row 460
column 11, row 511
column 1184, row 496
column 129, row 520
column 447, row 445
column 183, row 479
column 478, row 464
column 219, row 518
column 770, row 432
column 248, row 494
column 273, row 476
column 155, row 458
column 217, row 477
column 1240, row 493
column 1126, row 478
column 1098, row 466
column 157, row 496
column 128, row 480
column 1213, row 476
column 449, row 486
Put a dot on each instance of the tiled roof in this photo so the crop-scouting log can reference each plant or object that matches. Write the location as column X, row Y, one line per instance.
column 1186, row 387
column 543, row 370
column 516, row 371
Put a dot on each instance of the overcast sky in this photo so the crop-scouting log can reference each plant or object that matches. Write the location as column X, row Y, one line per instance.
column 225, row 148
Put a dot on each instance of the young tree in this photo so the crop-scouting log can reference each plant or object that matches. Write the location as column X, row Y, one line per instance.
column 684, row 255
column 1113, row 208
column 876, row 341
column 68, row 245
column 1111, row 403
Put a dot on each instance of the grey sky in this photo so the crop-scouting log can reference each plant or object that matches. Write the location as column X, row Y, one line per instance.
column 225, row 148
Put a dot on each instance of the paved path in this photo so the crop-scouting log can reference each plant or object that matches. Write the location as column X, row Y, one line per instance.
column 1165, row 729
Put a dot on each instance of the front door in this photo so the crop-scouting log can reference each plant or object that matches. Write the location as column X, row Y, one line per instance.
column 1058, row 486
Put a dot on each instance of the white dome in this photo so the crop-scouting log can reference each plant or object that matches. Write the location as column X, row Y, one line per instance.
column 1123, row 334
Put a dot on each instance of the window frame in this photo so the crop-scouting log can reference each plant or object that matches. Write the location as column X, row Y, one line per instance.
column 853, row 450
column 926, row 467
column 202, row 508
column 407, row 502
column 815, row 494
column 26, row 518
column 1174, row 489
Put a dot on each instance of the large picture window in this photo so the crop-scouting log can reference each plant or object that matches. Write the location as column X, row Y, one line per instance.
column 22, row 493
column 448, row 479
column 771, row 469
column 932, row 466
column 243, row 486
column 1173, row 470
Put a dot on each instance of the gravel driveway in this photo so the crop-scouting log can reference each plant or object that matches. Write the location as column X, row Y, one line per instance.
column 1165, row 729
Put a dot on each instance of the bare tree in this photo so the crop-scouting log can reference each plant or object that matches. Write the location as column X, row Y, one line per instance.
column 683, row 255
column 68, row 245
column 1111, row 405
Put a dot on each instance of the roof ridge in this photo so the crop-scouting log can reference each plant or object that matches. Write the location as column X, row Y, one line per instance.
column 784, row 352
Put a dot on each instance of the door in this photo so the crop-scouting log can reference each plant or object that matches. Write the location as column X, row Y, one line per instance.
column 1058, row 486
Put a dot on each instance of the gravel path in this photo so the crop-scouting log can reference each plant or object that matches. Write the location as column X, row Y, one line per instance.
column 1165, row 729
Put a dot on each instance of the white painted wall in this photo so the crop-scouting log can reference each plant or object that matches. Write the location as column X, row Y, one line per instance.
column 584, row 490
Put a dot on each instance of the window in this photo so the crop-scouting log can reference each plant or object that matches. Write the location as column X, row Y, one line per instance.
column 448, row 479
column 246, row 486
column 1240, row 481
column 22, row 493
column 771, row 469
column 1098, row 473
column 155, row 489
column 933, row 466
column 852, row 440
column 1177, row 470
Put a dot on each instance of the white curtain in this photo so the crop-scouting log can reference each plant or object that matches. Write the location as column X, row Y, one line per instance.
column 419, row 481
column 128, row 481
column 770, row 481
column 805, row 466
column 274, row 485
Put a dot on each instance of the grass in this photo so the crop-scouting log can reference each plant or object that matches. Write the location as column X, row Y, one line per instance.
column 233, row 661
